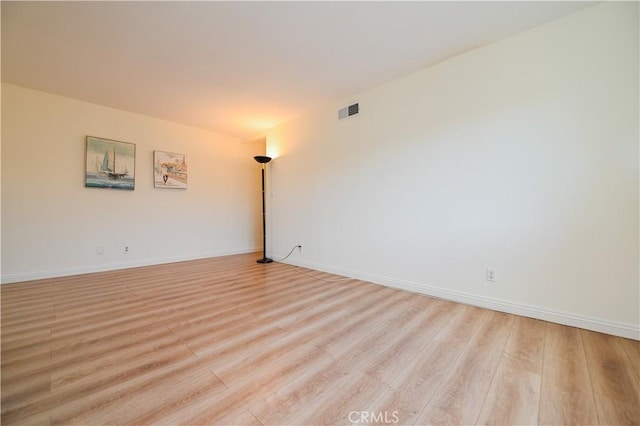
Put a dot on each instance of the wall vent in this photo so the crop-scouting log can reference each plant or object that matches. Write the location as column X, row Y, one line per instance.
column 348, row 111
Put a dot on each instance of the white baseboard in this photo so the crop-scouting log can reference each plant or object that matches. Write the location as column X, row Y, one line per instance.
column 65, row 272
column 629, row 331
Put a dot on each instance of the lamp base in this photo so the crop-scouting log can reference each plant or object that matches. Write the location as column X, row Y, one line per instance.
column 264, row 260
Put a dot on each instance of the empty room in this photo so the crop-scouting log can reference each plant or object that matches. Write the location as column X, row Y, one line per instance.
column 302, row 213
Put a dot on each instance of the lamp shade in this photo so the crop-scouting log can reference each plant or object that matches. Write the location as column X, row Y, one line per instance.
column 262, row 159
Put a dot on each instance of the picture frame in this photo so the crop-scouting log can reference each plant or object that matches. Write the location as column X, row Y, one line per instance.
column 109, row 163
column 169, row 170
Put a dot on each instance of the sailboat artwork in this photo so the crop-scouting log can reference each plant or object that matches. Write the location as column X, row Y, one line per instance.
column 109, row 164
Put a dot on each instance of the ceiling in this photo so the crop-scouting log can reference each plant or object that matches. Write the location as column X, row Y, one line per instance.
column 241, row 67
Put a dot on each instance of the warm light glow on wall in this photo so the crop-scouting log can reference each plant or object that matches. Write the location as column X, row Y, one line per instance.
column 272, row 151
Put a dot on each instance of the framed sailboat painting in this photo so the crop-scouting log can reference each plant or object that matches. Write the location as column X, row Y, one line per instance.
column 109, row 164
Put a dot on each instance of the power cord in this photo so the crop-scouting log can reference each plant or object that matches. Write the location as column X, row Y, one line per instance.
column 295, row 267
column 294, row 247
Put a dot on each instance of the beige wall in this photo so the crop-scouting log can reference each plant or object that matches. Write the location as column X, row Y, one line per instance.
column 52, row 224
column 521, row 156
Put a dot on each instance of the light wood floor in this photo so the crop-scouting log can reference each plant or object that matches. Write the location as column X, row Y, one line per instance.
column 229, row 341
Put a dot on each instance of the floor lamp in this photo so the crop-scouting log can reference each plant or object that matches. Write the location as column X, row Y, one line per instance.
column 263, row 159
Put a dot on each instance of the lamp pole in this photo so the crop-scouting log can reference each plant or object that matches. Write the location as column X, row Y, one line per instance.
column 262, row 159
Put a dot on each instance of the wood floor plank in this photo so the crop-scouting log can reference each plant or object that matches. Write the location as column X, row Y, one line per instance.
column 230, row 341
column 614, row 383
column 463, row 391
column 35, row 346
column 514, row 395
column 566, row 395
column 350, row 394
column 309, row 370
column 246, row 419
column 391, row 407
column 411, row 342
column 174, row 386
column 255, row 388
column 104, row 380
column 383, row 338
column 632, row 349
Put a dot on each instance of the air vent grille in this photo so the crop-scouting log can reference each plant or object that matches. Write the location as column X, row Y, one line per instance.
column 348, row 111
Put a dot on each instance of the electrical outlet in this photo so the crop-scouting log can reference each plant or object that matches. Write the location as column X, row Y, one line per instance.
column 491, row 275
column 100, row 250
column 126, row 250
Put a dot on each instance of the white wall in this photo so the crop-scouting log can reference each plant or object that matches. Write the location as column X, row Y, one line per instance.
column 521, row 156
column 52, row 224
